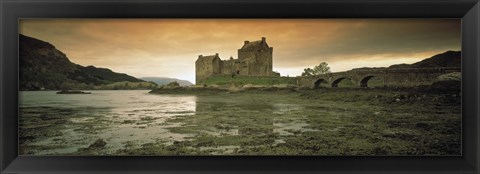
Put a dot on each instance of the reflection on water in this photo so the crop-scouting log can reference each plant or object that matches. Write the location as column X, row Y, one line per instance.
column 244, row 123
column 118, row 117
column 62, row 124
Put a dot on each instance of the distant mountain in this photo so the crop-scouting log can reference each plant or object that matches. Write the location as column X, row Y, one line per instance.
column 42, row 66
column 166, row 80
column 446, row 59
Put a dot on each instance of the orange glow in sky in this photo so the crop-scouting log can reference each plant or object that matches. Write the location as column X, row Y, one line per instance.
column 169, row 47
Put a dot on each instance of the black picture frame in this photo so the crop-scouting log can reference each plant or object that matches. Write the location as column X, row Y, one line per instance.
column 12, row 10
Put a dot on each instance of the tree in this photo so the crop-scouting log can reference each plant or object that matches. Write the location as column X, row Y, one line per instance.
column 322, row 68
column 307, row 72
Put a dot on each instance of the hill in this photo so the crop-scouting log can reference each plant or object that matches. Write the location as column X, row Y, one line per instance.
column 446, row 59
column 42, row 66
column 166, row 80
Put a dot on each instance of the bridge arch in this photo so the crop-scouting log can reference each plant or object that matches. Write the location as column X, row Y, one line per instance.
column 338, row 80
column 318, row 82
column 364, row 81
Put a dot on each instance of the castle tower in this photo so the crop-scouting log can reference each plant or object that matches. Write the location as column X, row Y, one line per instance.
column 206, row 66
column 256, row 58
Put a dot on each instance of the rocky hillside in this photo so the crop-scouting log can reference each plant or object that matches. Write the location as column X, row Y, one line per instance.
column 166, row 80
column 42, row 66
column 446, row 59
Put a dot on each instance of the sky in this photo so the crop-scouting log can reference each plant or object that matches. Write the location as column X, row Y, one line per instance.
column 170, row 47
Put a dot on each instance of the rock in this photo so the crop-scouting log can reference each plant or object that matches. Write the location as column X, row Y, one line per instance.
column 214, row 86
column 250, row 86
column 173, row 84
column 447, row 86
column 234, row 89
column 281, row 86
column 456, row 76
column 99, row 143
column 247, row 86
column 196, row 86
column 72, row 92
column 447, row 83
column 397, row 100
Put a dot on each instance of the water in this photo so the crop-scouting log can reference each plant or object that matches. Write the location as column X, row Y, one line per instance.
column 118, row 117
column 335, row 122
column 57, row 124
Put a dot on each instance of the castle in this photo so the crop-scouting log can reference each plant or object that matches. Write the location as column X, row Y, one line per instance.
column 254, row 59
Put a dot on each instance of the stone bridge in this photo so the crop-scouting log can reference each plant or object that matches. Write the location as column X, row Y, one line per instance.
column 401, row 77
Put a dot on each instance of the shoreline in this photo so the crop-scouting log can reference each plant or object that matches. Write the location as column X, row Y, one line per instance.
column 381, row 121
column 227, row 90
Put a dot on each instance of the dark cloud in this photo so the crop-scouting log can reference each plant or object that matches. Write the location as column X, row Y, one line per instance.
column 151, row 47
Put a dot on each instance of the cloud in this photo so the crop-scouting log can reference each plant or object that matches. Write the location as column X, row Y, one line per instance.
column 169, row 47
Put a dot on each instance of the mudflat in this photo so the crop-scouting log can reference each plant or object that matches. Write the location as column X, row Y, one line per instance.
column 330, row 121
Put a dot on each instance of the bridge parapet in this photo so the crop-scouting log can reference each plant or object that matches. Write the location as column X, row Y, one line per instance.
column 437, row 69
column 389, row 76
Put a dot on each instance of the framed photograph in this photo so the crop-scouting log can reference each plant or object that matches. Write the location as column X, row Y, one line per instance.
column 239, row 87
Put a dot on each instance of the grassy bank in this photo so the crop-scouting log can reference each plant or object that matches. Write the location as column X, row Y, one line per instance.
column 253, row 80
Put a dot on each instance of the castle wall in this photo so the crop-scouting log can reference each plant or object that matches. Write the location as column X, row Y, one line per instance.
column 230, row 67
column 257, row 63
column 265, row 62
column 205, row 69
column 254, row 59
column 246, row 57
column 217, row 66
